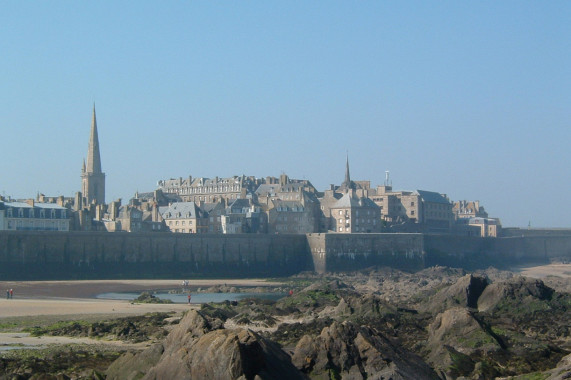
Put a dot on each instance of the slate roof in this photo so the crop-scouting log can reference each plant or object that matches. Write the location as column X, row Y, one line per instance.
column 267, row 189
column 433, row 197
column 351, row 201
column 186, row 210
column 36, row 204
column 239, row 205
column 287, row 205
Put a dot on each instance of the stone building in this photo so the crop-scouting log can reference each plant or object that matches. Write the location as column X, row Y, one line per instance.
column 242, row 216
column 469, row 209
column 184, row 217
column 396, row 206
column 354, row 214
column 435, row 212
column 478, row 226
column 347, row 208
column 33, row 216
column 210, row 190
column 215, row 211
column 291, row 205
column 92, row 178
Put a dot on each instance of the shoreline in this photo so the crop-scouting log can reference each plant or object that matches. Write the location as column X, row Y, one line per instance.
column 67, row 298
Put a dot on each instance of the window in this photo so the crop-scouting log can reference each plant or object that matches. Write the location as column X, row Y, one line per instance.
column 340, row 221
column 340, row 212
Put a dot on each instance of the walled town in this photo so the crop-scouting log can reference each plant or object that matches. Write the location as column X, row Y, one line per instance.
column 367, row 295
column 246, row 204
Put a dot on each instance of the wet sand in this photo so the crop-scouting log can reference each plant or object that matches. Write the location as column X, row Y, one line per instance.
column 33, row 298
column 542, row 271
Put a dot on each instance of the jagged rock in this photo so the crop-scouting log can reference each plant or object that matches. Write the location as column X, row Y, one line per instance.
column 345, row 350
column 453, row 336
column 199, row 349
column 131, row 366
column 513, row 289
column 562, row 371
column 464, row 292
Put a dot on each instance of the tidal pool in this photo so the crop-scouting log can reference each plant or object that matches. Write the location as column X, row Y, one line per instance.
column 195, row 297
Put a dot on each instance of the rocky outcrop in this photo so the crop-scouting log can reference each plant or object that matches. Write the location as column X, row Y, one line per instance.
column 519, row 288
column 455, row 336
column 562, row 371
column 464, row 292
column 201, row 349
column 345, row 350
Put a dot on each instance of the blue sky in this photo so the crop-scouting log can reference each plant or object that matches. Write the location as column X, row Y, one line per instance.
column 471, row 99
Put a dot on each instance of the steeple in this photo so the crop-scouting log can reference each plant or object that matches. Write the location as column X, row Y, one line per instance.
column 93, row 156
column 92, row 178
column 347, row 184
column 347, row 176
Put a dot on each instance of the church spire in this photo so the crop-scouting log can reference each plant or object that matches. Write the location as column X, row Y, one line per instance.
column 93, row 156
column 92, row 178
column 347, row 176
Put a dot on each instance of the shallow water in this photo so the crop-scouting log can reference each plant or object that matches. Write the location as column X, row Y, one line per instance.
column 195, row 297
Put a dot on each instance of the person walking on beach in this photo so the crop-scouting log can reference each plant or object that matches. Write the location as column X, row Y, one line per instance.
column 7, row 294
column 11, row 293
column 189, row 298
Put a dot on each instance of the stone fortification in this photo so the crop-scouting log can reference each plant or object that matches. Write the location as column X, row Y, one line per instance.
column 343, row 252
column 62, row 255
column 36, row 255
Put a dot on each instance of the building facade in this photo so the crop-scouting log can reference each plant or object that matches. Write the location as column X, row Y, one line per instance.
column 184, row 217
column 33, row 216
column 209, row 190
column 354, row 214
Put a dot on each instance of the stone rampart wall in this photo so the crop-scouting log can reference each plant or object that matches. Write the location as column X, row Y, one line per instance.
column 62, row 255
column 473, row 252
column 344, row 252
column 102, row 254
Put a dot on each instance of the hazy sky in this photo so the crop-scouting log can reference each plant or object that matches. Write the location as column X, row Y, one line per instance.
column 470, row 99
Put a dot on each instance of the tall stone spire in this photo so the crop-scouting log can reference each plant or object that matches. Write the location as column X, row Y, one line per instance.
column 347, row 176
column 93, row 155
column 92, row 178
column 347, row 184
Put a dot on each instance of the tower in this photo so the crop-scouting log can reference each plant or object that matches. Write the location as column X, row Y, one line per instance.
column 92, row 178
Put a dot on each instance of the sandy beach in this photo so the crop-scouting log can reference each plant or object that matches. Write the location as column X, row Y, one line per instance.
column 33, row 298
column 542, row 271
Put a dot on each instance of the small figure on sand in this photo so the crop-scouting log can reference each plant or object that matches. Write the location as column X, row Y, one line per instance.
column 189, row 297
column 11, row 293
column 7, row 294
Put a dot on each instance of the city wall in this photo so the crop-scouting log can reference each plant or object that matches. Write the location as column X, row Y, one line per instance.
column 345, row 252
column 41, row 255
column 83, row 255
